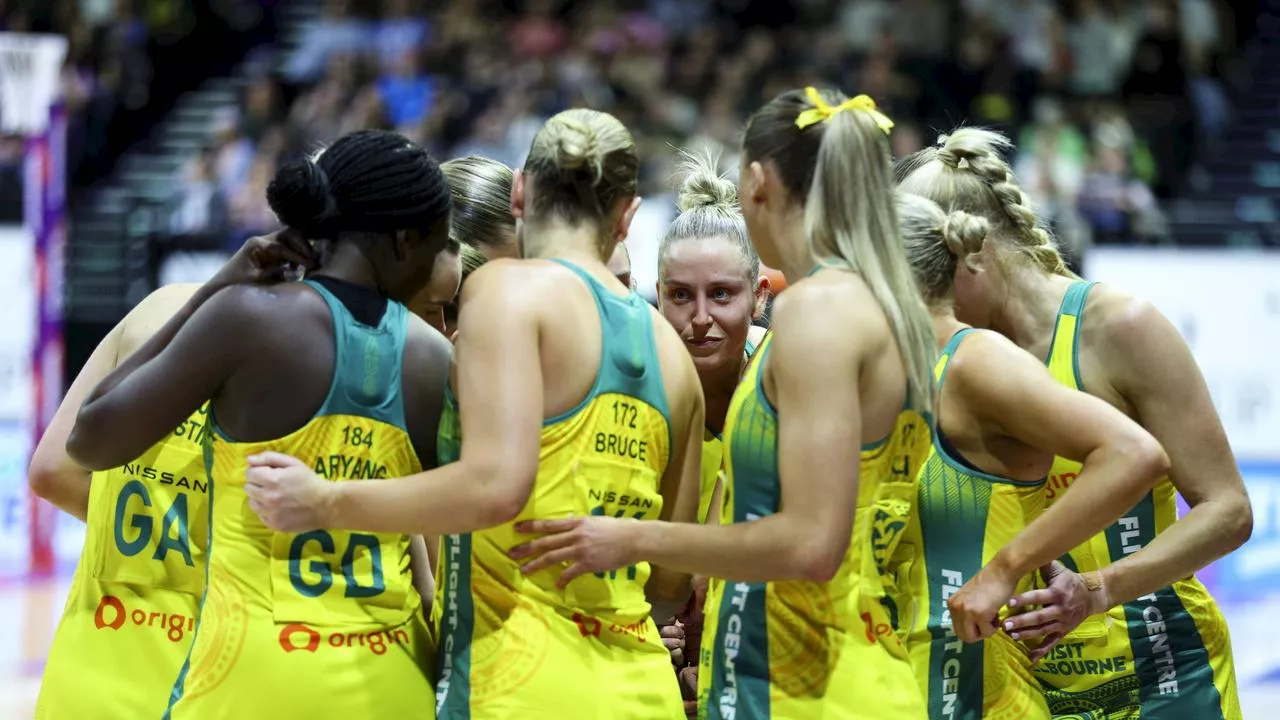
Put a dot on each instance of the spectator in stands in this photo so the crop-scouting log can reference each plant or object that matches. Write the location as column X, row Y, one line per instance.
column 199, row 206
column 1097, row 58
column 337, row 31
column 233, row 151
column 124, row 47
column 402, row 29
column 250, row 213
column 1051, row 162
column 406, row 90
column 262, row 108
column 1118, row 207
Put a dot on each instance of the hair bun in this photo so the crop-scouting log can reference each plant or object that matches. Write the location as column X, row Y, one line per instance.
column 703, row 186
column 576, row 147
column 964, row 233
column 970, row 145
column 300, row 197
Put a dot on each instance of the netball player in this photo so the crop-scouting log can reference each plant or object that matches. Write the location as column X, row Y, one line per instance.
column 481, row 190
column 1000, row 420
column 481, row 223
column 322, row 624
column 824, row 436
column 131, row 610
column 573, row 397
column 1162, row 650
column 710, row 289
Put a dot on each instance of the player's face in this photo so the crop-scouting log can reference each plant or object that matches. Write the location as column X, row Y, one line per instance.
column 705, row 294
column 434, row 272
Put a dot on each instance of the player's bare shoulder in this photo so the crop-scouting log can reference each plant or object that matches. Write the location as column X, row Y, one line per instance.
column 1118, row 325
column 509, row 286
column 149, row 315
column 828, row 304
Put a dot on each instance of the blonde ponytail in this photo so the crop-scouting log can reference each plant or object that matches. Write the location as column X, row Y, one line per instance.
column 850, row 220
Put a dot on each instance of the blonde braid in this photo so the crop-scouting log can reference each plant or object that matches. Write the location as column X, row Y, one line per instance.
column 975, row 151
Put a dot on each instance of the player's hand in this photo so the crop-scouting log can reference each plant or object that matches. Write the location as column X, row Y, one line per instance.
column 580, row 544
column 976, row 606
column 267, row 259
column 287, row 495
column 688, row 679
column 1063, row 604
column 672, row 632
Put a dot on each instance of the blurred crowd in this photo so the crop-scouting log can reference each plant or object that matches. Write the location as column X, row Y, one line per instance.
column 1109, row 101
column 109, row 78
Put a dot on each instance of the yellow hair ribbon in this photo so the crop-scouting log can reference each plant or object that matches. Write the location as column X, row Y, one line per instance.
column 821, row 111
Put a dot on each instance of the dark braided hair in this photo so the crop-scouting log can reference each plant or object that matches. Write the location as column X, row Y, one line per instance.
column 369, row 181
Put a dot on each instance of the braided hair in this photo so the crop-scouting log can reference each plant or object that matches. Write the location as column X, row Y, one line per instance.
column 370, row 181
column 966, row 171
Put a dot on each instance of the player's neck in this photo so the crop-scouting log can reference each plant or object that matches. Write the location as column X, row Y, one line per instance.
column 797, row 260
column 1030, row 309
column 945, row 324
column 346, row 262
column 718, row 386
column 555, row 239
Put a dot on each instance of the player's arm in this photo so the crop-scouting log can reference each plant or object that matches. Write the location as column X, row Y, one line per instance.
column 1005, row 387
column 818, row 448
column 170, row 376
column 668, row 590
column 1154, row 369
column 428, row 357
column 499, row 392
column 424, row 580
column 53, row 475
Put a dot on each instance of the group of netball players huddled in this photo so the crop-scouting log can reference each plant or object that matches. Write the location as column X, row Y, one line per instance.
column 459, row 467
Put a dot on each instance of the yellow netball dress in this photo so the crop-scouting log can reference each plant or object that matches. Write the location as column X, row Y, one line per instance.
column 513, row 646
column 804, row 649
column 1166, row 654
column 713, row 459
column 131, row 612
column 962, row 518
column 326, row 623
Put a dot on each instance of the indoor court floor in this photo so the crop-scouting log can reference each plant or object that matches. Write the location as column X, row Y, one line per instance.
column 30, row 608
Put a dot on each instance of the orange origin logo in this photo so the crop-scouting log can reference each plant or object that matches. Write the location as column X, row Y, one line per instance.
column 290, row 631
column 118, row 613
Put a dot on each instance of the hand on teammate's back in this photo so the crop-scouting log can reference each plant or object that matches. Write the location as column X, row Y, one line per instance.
column 1063, row 604
column 580, row 544
column 286, row 494
column 268, row 259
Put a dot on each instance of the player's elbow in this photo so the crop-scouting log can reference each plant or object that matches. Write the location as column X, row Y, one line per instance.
column 507, row 491
column 1237, row 525
column 1149, row 461
column 818, row 560
column 86, row 446
column 43, row 475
